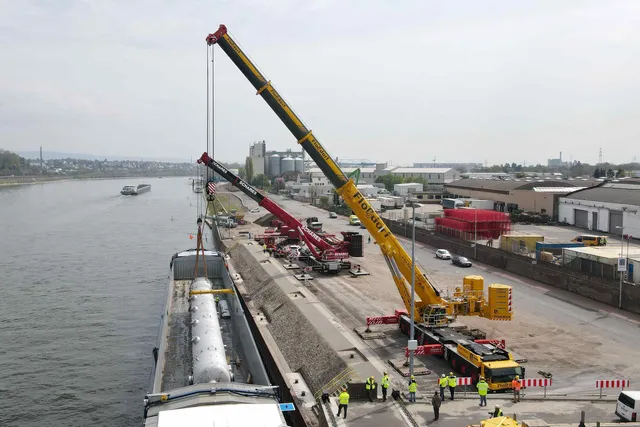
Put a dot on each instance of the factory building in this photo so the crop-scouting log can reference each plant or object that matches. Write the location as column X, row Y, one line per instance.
column 610, row 207
column 540, row 196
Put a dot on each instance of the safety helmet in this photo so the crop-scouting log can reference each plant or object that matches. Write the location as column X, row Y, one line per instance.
column 517, row 377
column 412, row 377
column 385, row 372
column 481, row 378
column 497, row 406
column 451, row 373
column 443, row 375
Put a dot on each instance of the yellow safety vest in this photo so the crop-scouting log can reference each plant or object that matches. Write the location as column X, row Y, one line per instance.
column 385, row 381
column 482, row 388
column 452, row 381
column 413, row 387
column 369, row 384
column 344, row 398
column 443, row 382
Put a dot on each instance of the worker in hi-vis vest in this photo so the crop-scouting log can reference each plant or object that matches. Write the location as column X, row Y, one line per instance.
column 483, row 388
column 516, row 385
column 384, row 383
column 343, row 400
column 413, row 388
column 453, row 381
column 370, row 386
column 442, row 382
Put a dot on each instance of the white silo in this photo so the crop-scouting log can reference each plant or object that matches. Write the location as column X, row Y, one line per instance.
column 274, row 165
column 299, row 164
column 287, row 165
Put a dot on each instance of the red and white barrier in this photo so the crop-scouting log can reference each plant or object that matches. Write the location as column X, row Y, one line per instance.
column 536, row 382
column 613, row 383
column 460, row 381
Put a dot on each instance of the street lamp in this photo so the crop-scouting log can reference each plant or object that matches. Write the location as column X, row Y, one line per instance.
column 621, row 228
column 412, row 344
column 475, row 237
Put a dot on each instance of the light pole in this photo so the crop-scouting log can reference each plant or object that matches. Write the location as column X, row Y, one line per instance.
column 621, row 227
column 412, row 344
column 475, row 236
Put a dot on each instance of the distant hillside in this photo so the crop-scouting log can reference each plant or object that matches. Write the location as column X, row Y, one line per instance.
column 50, row 155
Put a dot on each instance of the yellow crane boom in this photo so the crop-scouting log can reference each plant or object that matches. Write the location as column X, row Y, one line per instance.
column 429, row 304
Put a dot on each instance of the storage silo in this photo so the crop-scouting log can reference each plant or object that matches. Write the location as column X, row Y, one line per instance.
column 287, row 165
column 299, row 164
column 274, row 165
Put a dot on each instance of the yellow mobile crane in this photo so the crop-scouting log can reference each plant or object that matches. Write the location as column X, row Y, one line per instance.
column 431, row 308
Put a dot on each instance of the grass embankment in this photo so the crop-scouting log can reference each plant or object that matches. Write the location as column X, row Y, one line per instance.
column 223, row 203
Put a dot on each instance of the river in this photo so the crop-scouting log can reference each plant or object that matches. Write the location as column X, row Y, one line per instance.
column 83, row 278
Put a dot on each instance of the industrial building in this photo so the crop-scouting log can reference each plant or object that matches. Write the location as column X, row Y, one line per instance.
column 540, row 196
column 603, row 261
column 611, row 207
column 274, row 163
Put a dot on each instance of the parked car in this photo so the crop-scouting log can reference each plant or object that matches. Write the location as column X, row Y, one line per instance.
column 255, row 210
column 443, row 254
column 333, row 215
column 460, row 261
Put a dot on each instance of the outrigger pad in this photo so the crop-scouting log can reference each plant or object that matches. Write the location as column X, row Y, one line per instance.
column 361, row 331
column 303, row 277
column 418, row 367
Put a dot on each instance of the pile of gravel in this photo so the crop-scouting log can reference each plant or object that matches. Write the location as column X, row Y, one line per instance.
column 304, row 349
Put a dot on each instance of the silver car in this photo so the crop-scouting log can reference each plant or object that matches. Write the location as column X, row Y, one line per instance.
column 443, row 254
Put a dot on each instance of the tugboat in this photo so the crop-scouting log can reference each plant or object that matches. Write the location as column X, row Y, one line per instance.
column 134, row 190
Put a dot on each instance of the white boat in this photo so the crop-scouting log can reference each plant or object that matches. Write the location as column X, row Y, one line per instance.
column 134, row 190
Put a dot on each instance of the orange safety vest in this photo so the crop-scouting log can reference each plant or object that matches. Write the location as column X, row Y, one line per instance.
column 515, row 384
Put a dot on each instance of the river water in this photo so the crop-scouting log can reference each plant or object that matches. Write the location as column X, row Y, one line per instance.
column 83, row 272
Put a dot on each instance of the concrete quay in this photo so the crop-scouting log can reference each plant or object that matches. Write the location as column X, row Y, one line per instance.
column 311, row 329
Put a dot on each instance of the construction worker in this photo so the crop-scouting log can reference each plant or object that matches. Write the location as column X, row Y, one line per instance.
column 369, row 239
column 384, row 383
column 217, row 299
column 413, row 388
column 516, row 385
column 442, row 382
column 264, row 248
column 453, row 381
column 497, row 412
column 436, row 402
column 344, row 402
column 482, row 387
column 370, row 386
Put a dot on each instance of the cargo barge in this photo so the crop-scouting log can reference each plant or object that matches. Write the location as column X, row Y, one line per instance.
column 208, row 370
column 134, row 190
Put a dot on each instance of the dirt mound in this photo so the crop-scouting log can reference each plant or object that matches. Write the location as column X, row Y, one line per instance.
column 265, row 220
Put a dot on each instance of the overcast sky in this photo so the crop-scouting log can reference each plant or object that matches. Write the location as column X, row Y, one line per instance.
column 398, row 81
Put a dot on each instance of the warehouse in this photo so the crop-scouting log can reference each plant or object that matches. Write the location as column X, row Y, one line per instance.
column 611, row 207
column 540, row 196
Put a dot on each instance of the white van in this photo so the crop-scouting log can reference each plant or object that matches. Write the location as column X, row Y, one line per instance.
column 628, row 405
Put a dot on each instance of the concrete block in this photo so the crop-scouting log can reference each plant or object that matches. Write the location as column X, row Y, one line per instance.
column 534, row 422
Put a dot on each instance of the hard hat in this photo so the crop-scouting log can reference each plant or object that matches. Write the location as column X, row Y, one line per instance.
column 412, row 377
column 481, row 378
column 443, row 375
column 517, row 377
column 451, row 373
column 497, row 406
column 385, row 372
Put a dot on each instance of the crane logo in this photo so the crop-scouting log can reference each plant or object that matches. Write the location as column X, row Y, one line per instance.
column 247, row 187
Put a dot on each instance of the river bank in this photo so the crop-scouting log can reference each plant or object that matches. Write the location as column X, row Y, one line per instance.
column 31, row 180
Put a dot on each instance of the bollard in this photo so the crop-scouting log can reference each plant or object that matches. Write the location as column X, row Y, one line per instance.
column 581, row 419
column 545, row 391
column 600, row 392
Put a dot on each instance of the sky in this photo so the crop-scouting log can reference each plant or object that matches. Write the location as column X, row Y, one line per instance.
column 396, row 81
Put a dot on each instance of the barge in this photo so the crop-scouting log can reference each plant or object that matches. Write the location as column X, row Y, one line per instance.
column 208, row 370
column 134, row 190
